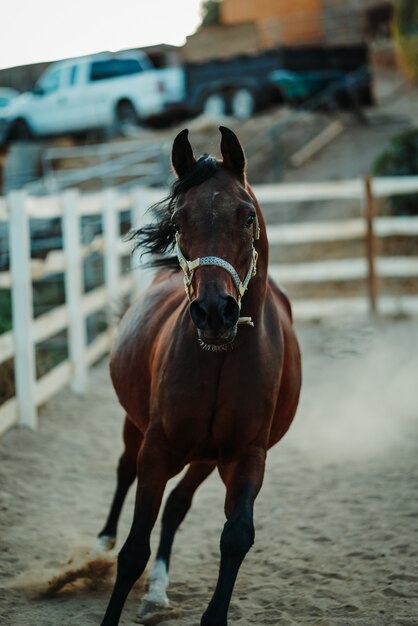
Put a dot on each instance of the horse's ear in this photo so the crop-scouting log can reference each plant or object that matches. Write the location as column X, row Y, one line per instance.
column 182, row 157
column 232, row 153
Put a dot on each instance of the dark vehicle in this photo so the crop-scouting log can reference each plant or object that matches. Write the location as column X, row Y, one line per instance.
column 240, row 85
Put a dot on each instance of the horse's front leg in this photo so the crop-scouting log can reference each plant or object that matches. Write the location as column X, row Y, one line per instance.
column 243, row 479
column 155, row 602
column 155, row 467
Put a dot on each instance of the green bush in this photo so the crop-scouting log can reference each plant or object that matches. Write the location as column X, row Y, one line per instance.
column 400, row 159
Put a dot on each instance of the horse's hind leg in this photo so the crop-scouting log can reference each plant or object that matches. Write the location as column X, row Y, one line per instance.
column 126, row 474
column 175, row 510
column 155, row 466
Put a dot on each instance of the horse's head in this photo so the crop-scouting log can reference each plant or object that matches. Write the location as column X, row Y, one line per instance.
column 216, row 222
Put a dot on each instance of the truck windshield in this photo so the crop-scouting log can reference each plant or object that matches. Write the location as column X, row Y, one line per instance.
column 50, row 82
column 103, row 70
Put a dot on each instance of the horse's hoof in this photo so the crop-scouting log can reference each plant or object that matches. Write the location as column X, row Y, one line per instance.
column 106, row 542
column 150, row 613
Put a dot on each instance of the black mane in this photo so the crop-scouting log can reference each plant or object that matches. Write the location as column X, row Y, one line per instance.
column 158, row 238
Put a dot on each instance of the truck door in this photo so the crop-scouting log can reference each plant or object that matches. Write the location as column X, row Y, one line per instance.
column 57, row 106
column 45, row 110
column 75, row 104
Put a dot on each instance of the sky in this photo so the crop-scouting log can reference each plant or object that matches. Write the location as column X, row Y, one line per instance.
column 46, row 30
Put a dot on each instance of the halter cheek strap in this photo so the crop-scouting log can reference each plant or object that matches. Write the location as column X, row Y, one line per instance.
column 189, row 268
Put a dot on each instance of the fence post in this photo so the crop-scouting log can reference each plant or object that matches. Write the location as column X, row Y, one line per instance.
column 111, row 253
column 371, row 245
column 138, row 218
column 77, row 335
column 22, row 303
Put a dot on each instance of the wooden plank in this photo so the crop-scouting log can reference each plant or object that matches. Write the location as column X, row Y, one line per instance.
column 398, row 305
column 340, row 230
column 384, row 186
column 41, row 207
column 90, row 204
column 94, row 300
column 98, row 347
column 50, row 323
column 7, row 346
column 316, row 309
column 5, row 280
column 312, row 309
column 55, row 262
column 334, row 190
column 52, row 382
column 343, row 269
column 317, row 143
column 124, row 201
column 8, row 415
column 22, row 310
column 394, row 226
column 309, row 192
column 319, row 271
column 314, row 232
column 397, row 267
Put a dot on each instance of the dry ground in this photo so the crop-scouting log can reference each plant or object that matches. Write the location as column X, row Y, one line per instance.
column 336, row 521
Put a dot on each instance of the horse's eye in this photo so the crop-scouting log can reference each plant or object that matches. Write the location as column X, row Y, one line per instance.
column 250, row 220
column 176, row 227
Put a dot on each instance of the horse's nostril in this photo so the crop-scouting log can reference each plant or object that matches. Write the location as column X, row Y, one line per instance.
column 198, row 314
column 217, row 315
column 230, row 312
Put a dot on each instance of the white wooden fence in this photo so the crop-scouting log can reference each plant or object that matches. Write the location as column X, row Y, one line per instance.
column 20, row 343
column 368, row 227
column 19, row 208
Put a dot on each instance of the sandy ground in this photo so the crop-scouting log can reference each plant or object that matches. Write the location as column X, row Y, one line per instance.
column 336, row 521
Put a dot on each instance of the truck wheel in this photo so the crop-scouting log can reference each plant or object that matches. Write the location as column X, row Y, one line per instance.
column 126, row 117
column 214, row 105
column 243, row 104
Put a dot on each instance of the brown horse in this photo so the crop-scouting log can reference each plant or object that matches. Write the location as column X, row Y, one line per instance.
column 202, row 384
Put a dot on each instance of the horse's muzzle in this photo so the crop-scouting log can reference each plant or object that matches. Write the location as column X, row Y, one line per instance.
column 215, row 319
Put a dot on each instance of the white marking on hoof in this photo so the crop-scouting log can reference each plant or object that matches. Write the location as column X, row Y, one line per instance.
column 106, row 542
column 155, row 601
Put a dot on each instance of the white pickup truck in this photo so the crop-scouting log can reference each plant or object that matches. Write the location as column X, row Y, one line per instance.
column 92, row 92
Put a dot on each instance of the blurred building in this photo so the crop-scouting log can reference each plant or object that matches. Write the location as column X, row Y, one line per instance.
column 277, row 21
column 248, row 26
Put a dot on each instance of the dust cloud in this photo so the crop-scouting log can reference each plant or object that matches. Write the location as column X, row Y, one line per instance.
column 86, row 568
column 368, row 395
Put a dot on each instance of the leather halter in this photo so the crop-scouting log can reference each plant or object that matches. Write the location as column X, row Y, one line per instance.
column 189, row 268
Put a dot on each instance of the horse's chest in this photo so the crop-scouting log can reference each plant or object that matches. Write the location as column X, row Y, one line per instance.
column 208, row 412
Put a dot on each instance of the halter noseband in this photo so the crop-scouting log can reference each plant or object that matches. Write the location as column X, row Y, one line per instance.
column 189, row 268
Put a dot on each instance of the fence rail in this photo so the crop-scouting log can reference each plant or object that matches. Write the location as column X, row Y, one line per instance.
column 18, row 208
